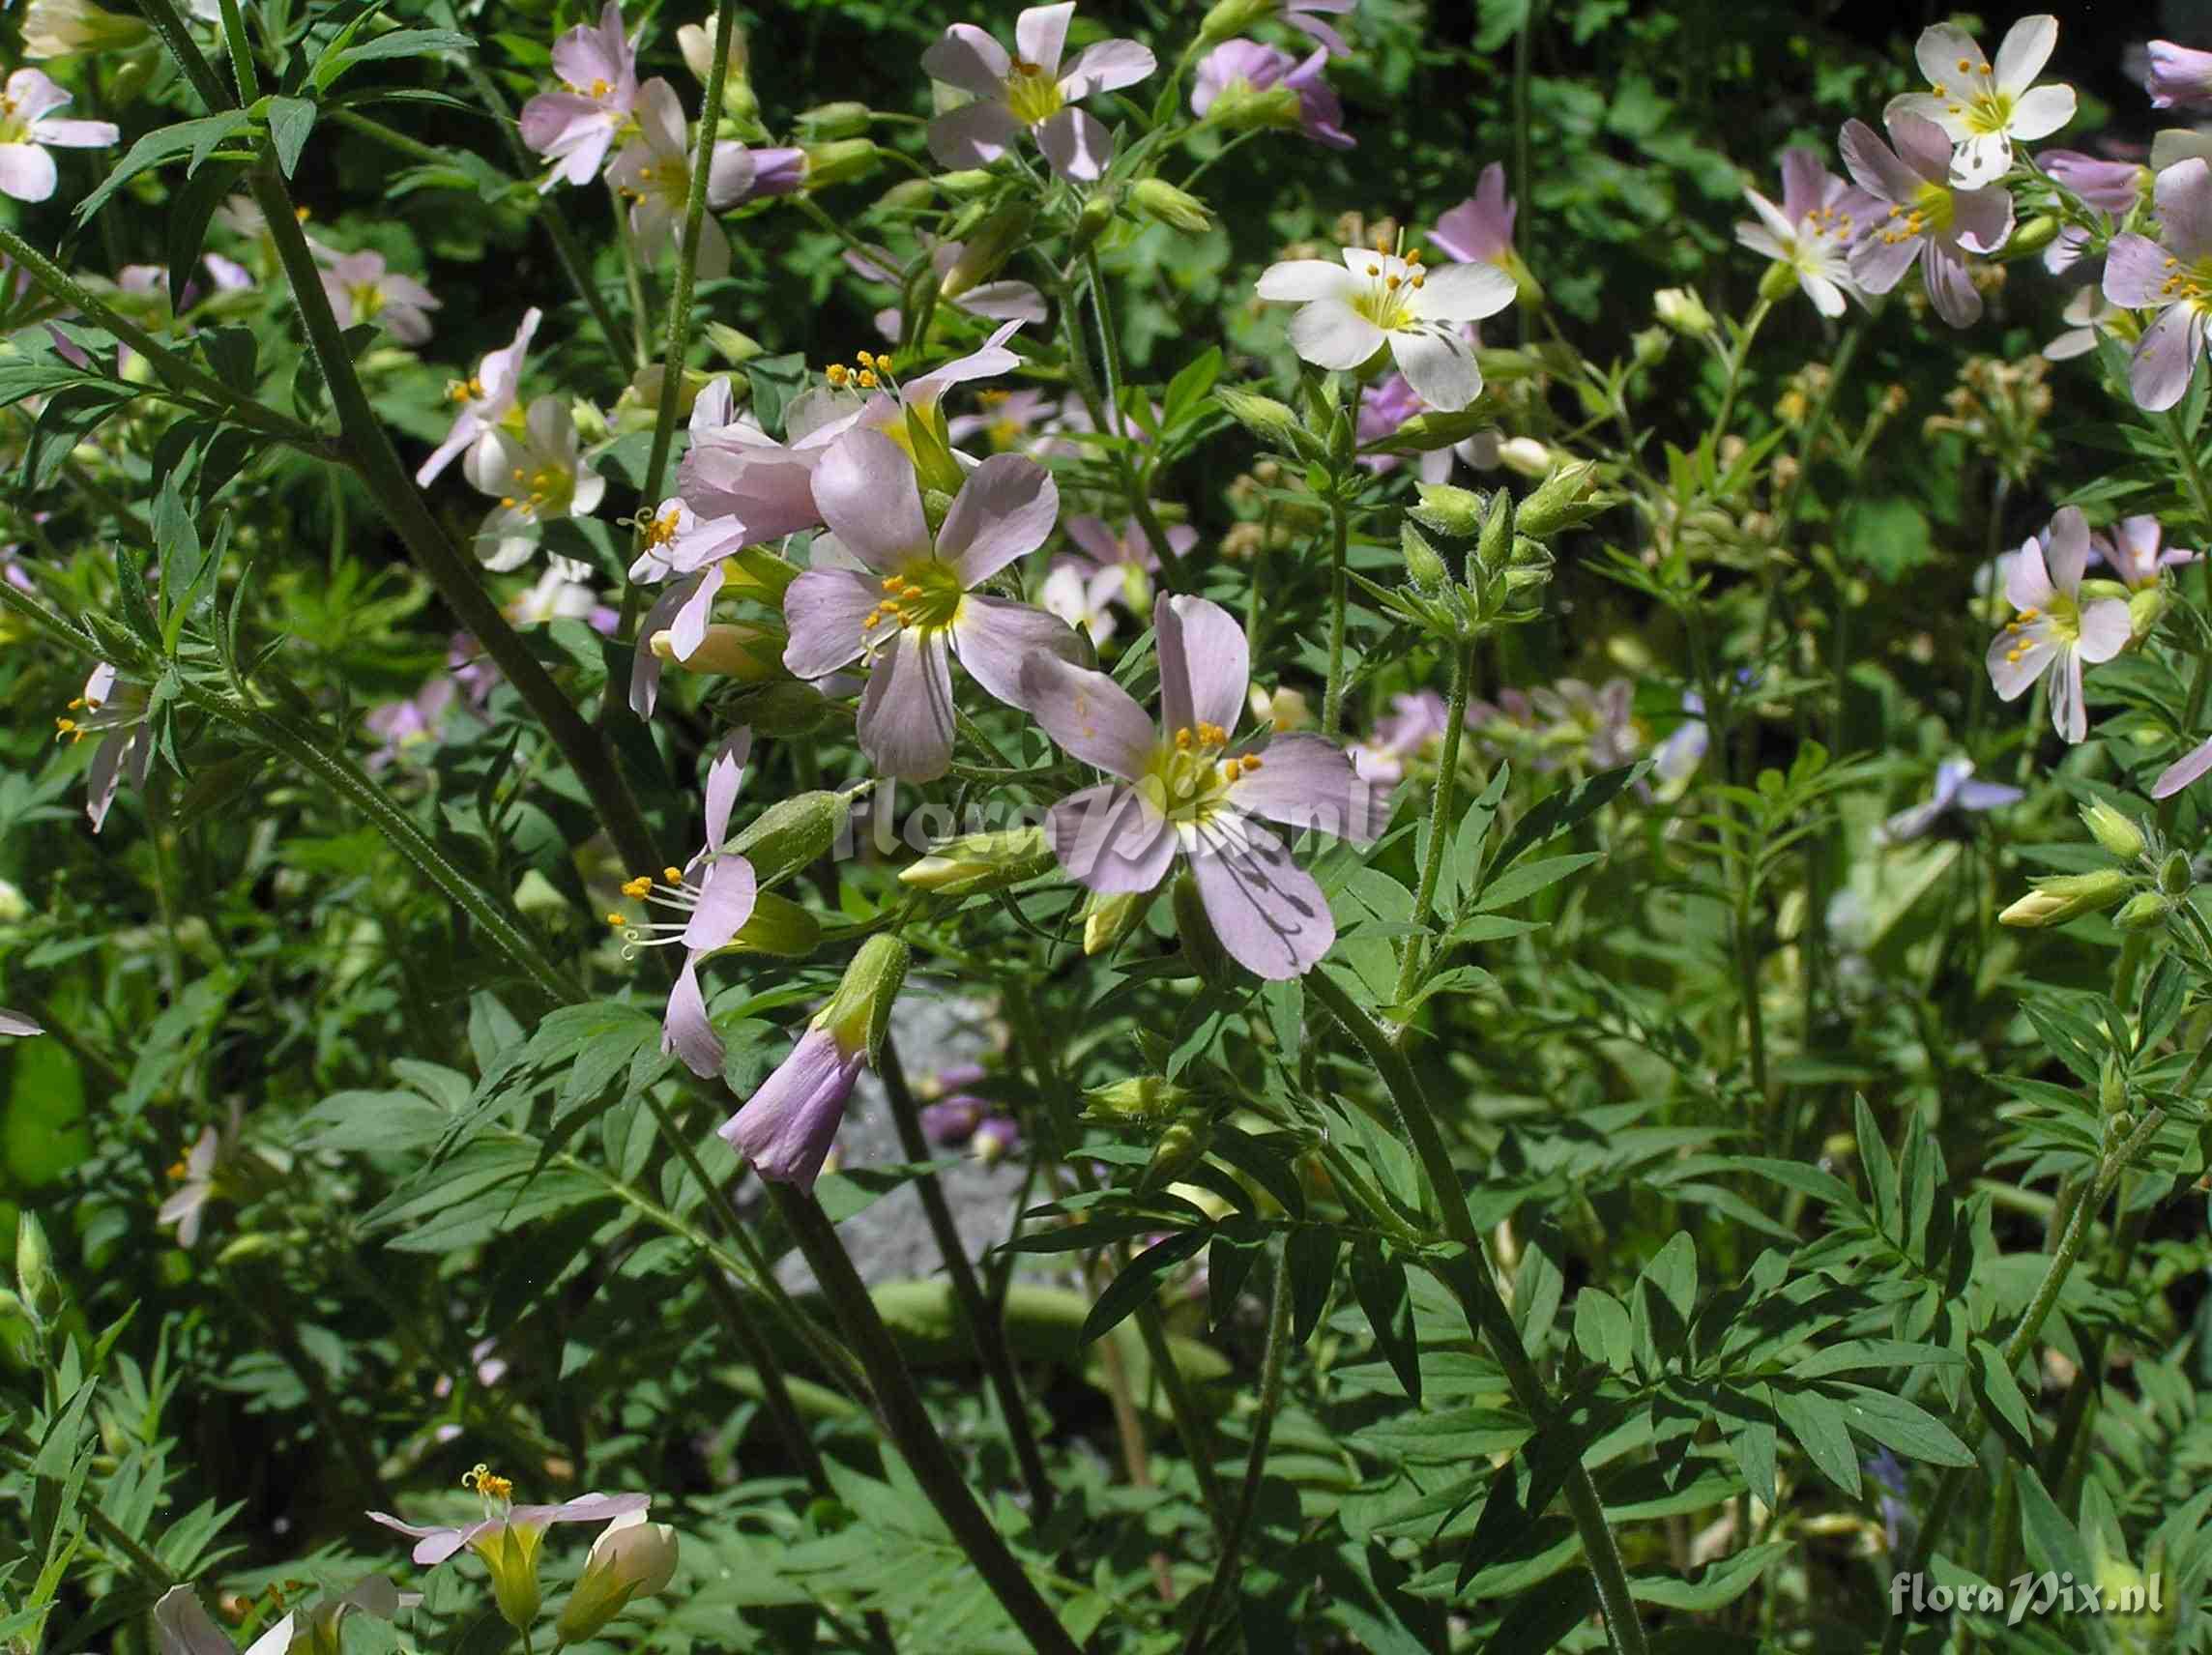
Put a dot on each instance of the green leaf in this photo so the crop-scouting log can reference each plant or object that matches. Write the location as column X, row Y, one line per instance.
column 1904, row 1426
column 1888, row 535
column 1140, row 1281
column 290, row 121
column 1557, row 812
column 1821, row 1429
column 1312, row 1265
column 1378, row 1282
column 1856, row 1353
column 400, row 42
column 1530, row 878
column 1999, row 1391
column 1602, row 1329
column 2051, row 1537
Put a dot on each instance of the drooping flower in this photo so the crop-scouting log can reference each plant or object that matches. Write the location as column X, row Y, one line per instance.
column 1675, row 760
column 28, row 129
column 1956, row 793
column 1479, row 230
column 539, row 474
column 485, row 401
column 653, row 170
column 1243, row 85
column 1350, row 312
column 507, row 1536
column 574, row 126
column 361, row 289
column 2172, row 277
column 1983, row 109
column 1929, row 220
column 2053, row 633
column 2178, row 76
column 2134, row 548
column 115, row 711
column 632, row 1558
column 1186, row 789
column 786, row 1129
column 913, row 606
column 713, row 896
column 1029, row 92
column 1811, row 231
column 195, row 1188
column 2114, row 187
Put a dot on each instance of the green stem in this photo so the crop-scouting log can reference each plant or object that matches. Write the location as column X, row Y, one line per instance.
column 1971, row 1426
column 983, row 1318
column 1480, row 1300
column 1271, row 1401
column 1441, row 825
column 177, row 373
column 1735, row 361
column 1133, row 478
column 907, row 1420
column 1339, row 599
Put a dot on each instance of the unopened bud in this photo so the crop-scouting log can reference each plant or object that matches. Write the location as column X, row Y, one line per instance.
column 1526, row 455
column 2113, row 829
column 2112, row 1087
column 1779, row 282
column 840, row 161
column 2060, row 897
column 2032, row 237
column 1163, row 203
column 1091, row 222
column 2174, row 874
column 1225, row 20
column 784, row 708
column 1560, row 503
column 790, row 833
column 966, row 183
column 1142, row 1097
column 976, row 862
column 1276, row 424
column 859, row 1013
column 908, row 195
column 35, row 1267
column 828, row 121
column 990, row 246
column 697, row 45
column 748, row 653
column 1648, row 346
column 2146, row 608
column 737, row 349
column 1423, row 565
column 1683, row 311
column 776, row 926
column 1448, row 510
column 1494, row 551
column 1109, row 919
column 2146, row 910
column 1180, row 1146
column 1425, row 433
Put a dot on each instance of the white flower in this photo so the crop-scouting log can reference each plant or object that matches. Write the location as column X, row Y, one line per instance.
column 2054, row 632
column 543, row 474
column 1374, row 299
column 1983, row 108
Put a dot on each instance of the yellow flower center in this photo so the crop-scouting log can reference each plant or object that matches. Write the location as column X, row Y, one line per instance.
column 1188, row 779
column 1931, row 214
column 2061, row 623
column 545, row 492
column 2188, row 284
column 367, row 299
column 924, row 596
column 1032, row 95
column 481, row 1479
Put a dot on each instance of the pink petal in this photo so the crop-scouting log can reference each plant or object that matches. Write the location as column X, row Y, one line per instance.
column 1107, row 67
column 1076, row 143
column 906, row 723
column 2066, row 548
column 725, row 775
column 2105, row 629
column 1267, row 911
column 2182, row 771
column 973, row 136
column 1309, row 781
column 1004, row 512
column 1206, row 666
column 1040, row 36
column 995, row 635
column 684, row 1028
column 864, row 487
column 726, row 894
column 1874, row 166
column 1109, row 840
column 26, row 173
column 967, row 57
column 1088, row 715
column 823, row 609
column 786, row 1128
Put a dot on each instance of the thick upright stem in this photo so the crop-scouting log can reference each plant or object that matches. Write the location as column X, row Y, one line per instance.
column 1339, row 600
column 1480, row 1300
column 983, row 1318
column 903, row 1416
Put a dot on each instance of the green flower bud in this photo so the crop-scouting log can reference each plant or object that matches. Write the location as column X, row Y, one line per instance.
column 908, row 195
column 1494, row 551
column 11, row 1305
column 2174, row 874
column 1225, row 20
column 1648, row 346
column 792, row 832
column 1180, row 1146
column 1448, row 510
column 697, row 45
column 2111, row 1088
column 2146, row 608
column 2060, row 897
column 2144, row 911
column 66, row 28
column 840, row 161
column 1276, row 424
column 1091, row 222
column 1424, row 433
column 966, row 184
column 1778, row 284
column 1199, row 946
column 2113, row 829
column 990, row 246
column 260, row 1244
column 2117, row 1126
column 1142, row 1097
column 859, row 1013
column 1341, row 438
column 976, row 862
column 1526, row 455
column 35, row 1267
column 1560, row 502
column 2032, row 237
column 1422, row 562
column 1164, row 204
column 1684, row 312
column 1243, row 107
column 632, row 1558
column 783, row 709
column 825, row 122
column 1107, row 920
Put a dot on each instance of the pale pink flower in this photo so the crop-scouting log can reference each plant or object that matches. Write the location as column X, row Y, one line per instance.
column 1186, row 788
column 485, row 401
column 1983, row 109
column 406, row 727
column 437, row 1541
column 1928, row 218
column 2178, row 76
column 2053, row 633
column 115, row 711
column 913, row 606
column 2114, row 187
column 574, row 126
column 28, row 129
column 2087, row 315
column 1348, row 311
column 15, row 1023
column 1031, row 92
column 654, row 171
column 1811, row 231
column 361, row 289
column 1002, row 300
column 1235, row 74
column 1479, row 230
column 2172, row 276
column 788, row 1126
column 539, row 474
column 188, row 1204
column 2134, row 548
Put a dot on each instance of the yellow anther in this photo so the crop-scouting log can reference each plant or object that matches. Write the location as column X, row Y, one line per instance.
column 1182, row 739
column 638, row 887
column 484, row 1480
column 617, row 922
column 837, row 373
column 2030, row 613
column 1251, row 762
column 1374, row 269
column 891, row 583
column 600, row 88
column 1966, row 66
column 1393, row 282
column 1418, row 278
column 1984, row 70
column 867, row 379
column 871, row 621
column 674, row 876
column 867, row 359
column 176, row 1170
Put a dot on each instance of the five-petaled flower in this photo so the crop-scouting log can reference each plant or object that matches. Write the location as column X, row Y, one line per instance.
column 486, row 404
column 1956, row 793
column 115, row 711
column 1811, row 231
column 1244, row 84
column 361, row 289
column 1351, row 310
column 913, row 604
column 2053, row 633
column 1981, row 107
column 2135, row 548
column 539, row 474
column 2178, row 76
column 576, row 125
column 1029, row 92
column 654, row 171
column 2173, row 278
column 1188, row 788
column 28, row 130
column 1928, row 218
